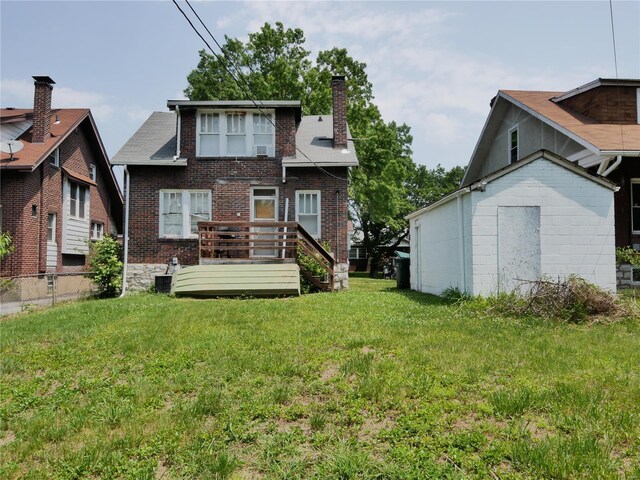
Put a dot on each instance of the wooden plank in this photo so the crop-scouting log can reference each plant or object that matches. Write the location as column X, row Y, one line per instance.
column 238, row 279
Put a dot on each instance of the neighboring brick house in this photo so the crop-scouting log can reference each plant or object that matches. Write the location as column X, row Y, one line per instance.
column 567, row 225
column 234, row 161
column 58, row 191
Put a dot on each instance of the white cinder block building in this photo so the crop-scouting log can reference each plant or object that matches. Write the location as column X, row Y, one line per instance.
column 540, row 216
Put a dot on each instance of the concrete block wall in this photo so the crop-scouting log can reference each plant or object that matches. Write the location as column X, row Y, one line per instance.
column 577, row 224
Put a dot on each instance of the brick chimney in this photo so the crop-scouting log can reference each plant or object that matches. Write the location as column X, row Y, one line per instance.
column 42, row 109
column 339, row 89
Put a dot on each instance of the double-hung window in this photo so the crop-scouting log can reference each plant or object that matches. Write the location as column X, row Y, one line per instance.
column 209, row 138
column 308, row 211
column 233, row 133
column 181, row 210
column 263, row 134
column 97, row 230
column 77, row 200
column 236, row 134
column 513, row 145
column 635, row 205
column 51, row 227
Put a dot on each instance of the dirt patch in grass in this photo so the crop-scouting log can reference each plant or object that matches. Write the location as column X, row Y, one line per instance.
column 371, row 427
column 9, row 437
column 328, row 373
column 161, row 470
column 537, row 431
column 366, row 349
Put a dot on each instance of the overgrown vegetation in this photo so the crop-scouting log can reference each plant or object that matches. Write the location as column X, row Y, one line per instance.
column 313, row 265
column 370, row 383
column 628, row 255
column 105, row 266
column 571, row 299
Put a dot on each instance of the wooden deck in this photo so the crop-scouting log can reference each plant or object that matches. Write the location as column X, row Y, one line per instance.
column 254, row 279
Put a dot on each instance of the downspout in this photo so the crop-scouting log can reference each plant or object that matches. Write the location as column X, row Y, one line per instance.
column 337, row 226
column 612, row 167
column 127, row 183
column 40, row 222
column 178, row 131
column 461, row 244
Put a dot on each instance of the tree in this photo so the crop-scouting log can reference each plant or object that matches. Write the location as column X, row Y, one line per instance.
column 274, row 65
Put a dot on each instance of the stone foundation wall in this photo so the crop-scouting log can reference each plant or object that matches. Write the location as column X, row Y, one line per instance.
column 624, row 276
column 341, row 277
column 141, row 276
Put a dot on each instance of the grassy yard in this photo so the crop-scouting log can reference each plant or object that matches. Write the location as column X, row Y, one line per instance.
column 370, row 383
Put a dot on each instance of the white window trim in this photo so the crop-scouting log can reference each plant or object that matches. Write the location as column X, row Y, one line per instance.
column 53, row 215
column 54, row 158
column 186, row 220
column 249, row 134
column 509, row 146
column 76, row 215
column 634, row 181
column 319, row 220
column 93, row 172
column 94, row 235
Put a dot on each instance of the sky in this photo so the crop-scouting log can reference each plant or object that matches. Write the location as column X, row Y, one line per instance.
column 434, row 65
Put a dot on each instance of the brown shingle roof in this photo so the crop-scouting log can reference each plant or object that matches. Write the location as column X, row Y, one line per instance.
column 33, row 153
column 603, row 136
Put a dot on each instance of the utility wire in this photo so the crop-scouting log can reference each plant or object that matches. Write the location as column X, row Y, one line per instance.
column 615, row 62
column 246, row 90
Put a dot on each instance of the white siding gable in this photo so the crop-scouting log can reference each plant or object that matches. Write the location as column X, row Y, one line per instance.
column 75, row 230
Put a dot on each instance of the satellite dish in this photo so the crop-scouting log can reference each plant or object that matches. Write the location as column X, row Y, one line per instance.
column 11, row 147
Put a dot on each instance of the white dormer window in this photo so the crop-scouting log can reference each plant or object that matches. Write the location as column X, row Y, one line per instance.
column 514, row 153
column 237, row 133
column 54, row 158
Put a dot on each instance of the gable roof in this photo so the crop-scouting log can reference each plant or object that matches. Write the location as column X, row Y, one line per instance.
column 540, row 154
column 595, row 136
column 154, row 143
column 63, row 122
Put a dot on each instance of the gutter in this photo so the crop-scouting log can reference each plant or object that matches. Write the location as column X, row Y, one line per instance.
column 127, row 183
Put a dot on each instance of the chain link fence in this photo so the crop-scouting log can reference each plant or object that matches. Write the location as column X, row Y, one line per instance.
column 25, row 292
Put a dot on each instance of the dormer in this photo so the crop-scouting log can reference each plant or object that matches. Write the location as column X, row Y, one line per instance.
column 236, row 129
column 605, row 100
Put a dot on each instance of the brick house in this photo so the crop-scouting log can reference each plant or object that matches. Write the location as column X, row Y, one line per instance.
column 235, row 161
column 568, row 223
column 58, row 191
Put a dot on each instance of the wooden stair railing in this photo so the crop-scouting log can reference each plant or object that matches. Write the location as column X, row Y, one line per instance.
column 311, row 248
column 282, row 241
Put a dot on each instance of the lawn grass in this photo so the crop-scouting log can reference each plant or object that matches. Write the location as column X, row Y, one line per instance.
column 370, row 383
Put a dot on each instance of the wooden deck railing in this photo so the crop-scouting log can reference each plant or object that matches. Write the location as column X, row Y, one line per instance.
column 266, row 241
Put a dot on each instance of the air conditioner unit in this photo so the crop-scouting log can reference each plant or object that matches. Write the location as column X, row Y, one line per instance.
column 262, row 150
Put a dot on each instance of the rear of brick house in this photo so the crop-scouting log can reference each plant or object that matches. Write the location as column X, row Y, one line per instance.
column 235, row 161
column 58, row 191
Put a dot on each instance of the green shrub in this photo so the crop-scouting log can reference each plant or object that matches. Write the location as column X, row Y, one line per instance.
column 106, row 266
column 628, row 255
column 454, row 295
column 313, row 265
column 6, row 244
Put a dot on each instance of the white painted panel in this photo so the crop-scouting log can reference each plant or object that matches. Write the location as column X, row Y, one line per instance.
column 518, row 246
column 52, row 255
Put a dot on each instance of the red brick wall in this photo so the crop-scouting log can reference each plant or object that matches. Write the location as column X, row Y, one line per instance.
column 22, row 190
column 607, row 104
column 628, row 169
column 230, row 182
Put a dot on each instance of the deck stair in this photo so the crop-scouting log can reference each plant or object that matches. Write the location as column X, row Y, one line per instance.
column 253, row 279
column 277, row 243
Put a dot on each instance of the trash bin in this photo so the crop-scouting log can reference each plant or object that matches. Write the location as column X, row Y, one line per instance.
column 163, row 283
column 403, row 279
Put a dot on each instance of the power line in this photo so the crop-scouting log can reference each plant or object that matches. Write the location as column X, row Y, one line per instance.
column 615, row 62
column 246, row 90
